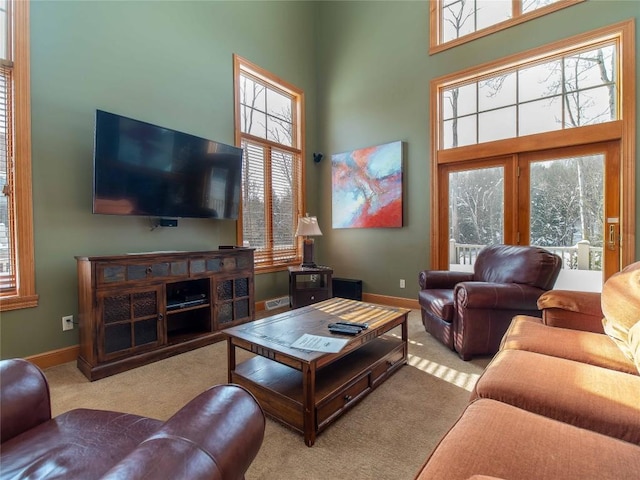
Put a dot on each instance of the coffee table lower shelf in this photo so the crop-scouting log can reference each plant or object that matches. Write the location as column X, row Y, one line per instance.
column 338, row 386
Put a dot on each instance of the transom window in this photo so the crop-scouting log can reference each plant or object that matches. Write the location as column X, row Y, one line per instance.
column 268, row 128
column 458, row 21
column 564, row 91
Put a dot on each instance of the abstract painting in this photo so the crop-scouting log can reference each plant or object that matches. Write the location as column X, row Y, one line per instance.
column 367, row 187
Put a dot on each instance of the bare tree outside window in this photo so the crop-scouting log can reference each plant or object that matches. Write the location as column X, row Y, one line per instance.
column 461, row 18
column 569, row 91
column 271, row 169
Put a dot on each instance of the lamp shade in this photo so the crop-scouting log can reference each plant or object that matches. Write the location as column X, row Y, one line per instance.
column 308, row 227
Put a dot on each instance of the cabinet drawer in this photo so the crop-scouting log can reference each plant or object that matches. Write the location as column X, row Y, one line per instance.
column 382, row 368
column 334, row 405
column 309, row 296
column 118, row 273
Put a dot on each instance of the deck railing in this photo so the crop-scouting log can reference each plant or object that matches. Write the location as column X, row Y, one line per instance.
column 581, row 256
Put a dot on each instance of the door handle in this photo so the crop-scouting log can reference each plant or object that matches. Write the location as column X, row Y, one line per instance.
column 611, row 243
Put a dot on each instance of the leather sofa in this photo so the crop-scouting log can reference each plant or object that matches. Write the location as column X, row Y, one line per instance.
column 214, row 436
column 561, row 399
column 469, row 312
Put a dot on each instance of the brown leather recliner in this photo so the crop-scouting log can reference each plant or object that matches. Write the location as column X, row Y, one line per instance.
column 470, row 312
column 214, row 436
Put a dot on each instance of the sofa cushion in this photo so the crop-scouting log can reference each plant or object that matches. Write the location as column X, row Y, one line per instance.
column 572, row 309
column 591, row 397
column 438, row 302
column 494, row 439
column 621, row 305
column 528, row 333
column 80, row 444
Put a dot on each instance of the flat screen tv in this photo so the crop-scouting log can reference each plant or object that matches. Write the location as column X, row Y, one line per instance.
column 144, row 169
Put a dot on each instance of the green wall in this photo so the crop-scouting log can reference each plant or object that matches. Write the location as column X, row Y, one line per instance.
column 364, row 67
column 168, row 63
column 374, row 71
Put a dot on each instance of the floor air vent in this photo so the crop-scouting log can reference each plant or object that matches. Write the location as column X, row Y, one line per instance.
column 276, row 303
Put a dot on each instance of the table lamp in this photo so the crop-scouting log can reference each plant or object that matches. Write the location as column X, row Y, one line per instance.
column 308, row 227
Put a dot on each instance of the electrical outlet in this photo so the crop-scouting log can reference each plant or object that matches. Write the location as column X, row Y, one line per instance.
column 67, row 323
column 402, row 283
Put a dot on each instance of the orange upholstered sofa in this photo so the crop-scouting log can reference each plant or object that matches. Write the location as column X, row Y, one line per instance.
column 561, row 398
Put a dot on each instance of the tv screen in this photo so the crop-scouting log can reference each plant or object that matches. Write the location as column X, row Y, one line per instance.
column 144, row 169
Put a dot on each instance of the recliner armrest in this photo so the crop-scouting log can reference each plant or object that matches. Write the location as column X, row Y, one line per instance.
column 24, row 398
column 216, row 435
column 572, row 309
column 442, row 279
column 497, row 296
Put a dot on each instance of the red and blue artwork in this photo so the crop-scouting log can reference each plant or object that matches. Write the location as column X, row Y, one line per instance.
column 367, row 187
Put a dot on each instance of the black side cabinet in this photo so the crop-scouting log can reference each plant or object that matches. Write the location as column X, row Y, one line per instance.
column 309, row 285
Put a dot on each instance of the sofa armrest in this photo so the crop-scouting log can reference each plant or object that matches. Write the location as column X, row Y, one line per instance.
column 442, row 279
column 571, row 309
column 215, row 436
column 497, row 296
column 24, row 398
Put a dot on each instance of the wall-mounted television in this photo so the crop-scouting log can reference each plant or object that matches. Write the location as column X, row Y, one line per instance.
column 144, row 169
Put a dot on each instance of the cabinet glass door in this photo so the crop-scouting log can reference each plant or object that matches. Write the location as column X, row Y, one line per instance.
column 130, row 320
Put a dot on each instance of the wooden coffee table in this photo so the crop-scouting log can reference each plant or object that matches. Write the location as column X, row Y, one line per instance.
column 308, row 390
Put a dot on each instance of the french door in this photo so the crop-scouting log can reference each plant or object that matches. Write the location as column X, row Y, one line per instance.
column 566, row 200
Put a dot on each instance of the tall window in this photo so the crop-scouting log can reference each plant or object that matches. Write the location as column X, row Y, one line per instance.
column 539, row 148
column 458, row 21
column 17, row 277
column 269, row 115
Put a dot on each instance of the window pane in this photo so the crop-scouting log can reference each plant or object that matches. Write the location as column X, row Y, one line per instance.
column 567, row 208
column 531, row 5
column 7, row 275
column 278, row 105
column 282, row 199
column 254, row 122
column 590, row 69
column 540, row 81
column 253, row 203
column 490, row 12
column 3, row 30
column 589, row 107
column 253, row 101
column 497, row 92
column 497, row 124
column 476, row 212
column 459, row 101
column 457, row 20
column 279, row 131
column 540, row 116
column 279, row 119
column 460, row 132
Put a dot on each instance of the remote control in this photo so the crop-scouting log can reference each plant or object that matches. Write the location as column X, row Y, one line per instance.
column 363, row 326
column 345, row 325
column 344, row 330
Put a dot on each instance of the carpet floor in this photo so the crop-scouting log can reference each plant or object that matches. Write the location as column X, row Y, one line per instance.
column 388, row 435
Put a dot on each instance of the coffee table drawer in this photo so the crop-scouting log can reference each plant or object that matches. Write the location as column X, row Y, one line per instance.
column 334, row 405
column 387, row 365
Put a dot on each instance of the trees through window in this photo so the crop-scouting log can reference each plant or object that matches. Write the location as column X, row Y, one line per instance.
column 538, row 149
column 268, row 128
column 457, row 21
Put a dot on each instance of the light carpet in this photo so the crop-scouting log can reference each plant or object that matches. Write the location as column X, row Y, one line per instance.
column 388, row 435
